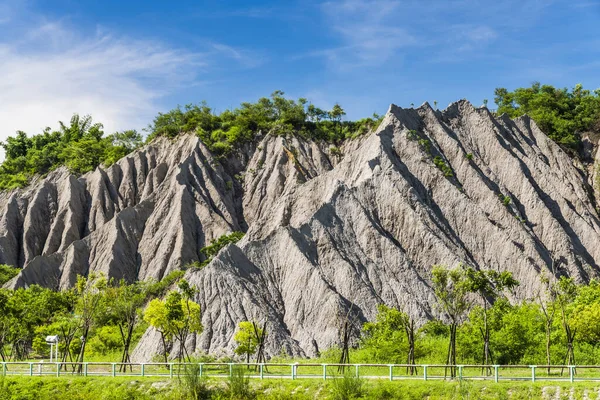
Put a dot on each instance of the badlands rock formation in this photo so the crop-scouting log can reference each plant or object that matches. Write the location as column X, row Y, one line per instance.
column 328, row 236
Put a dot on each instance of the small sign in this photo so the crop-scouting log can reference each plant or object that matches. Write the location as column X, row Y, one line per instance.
column 52, row 339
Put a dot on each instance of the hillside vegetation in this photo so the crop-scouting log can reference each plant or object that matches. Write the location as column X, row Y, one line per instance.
column 82, row 145
column 562, row 114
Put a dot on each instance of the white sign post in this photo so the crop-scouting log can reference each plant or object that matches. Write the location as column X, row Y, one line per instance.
column 53, row 341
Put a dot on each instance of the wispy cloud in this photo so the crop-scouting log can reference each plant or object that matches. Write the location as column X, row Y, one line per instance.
column 368, row 32
column 52, row 72
column 49, row 72
column 246, row 58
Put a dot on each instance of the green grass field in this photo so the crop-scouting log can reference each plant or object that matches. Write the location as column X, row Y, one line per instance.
column 121, row 388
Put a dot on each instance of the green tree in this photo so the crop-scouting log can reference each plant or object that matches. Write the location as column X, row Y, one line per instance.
column 391, row 337
column 561, row 114
column 566, row 292
column 488, row 285
column 247, row 339
column 89, row 307
column 175, row 317
column 123, row 310
column 156, row 316
column 336, row 114
column 451, row 288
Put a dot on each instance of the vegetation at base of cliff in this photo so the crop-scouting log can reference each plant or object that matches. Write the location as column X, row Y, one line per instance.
column 562, row 114
column 558, row 326
column 81, row 146
column 276, row 115
column 97, row 318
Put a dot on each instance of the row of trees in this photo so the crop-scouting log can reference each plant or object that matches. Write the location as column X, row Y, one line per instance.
column 558, row 326
column 481, row 326
column 102, row 314
column 275, row 114
column 80, row 145
column 561, row 114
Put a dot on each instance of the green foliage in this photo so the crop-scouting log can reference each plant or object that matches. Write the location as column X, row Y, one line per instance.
column 238, row 384
column 426, row 145
column 347, row 387
column 247, row 339
column 469, row 156
column 504, row 199
column 384, row 339
column 194, row 386
column 412, row 134
column 275, row 114
column 441, row 164
column 81, row 146
column 335, row 151
column 561, row 114
column 216, row 245
column 176, row 316
column 7, row 272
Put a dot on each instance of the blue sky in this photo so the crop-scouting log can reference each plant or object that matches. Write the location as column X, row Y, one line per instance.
column 123, row 61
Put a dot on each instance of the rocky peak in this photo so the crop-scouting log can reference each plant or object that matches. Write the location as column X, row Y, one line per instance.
column 331, row 231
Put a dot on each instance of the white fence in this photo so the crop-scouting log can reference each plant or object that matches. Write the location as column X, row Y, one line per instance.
column 493, row 373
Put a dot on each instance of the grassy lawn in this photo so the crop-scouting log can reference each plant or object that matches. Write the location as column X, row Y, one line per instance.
column 122, row 388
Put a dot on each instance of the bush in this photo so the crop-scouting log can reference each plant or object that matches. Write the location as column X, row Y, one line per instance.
column 439, row 162
column 7, row 272
column 238, row 384
column 347, row 387
column 193, row 386
column 561, row 114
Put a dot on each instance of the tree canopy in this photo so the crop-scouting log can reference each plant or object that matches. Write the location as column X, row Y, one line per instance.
column 276, row 114
column 80, row 145
column 562, row 114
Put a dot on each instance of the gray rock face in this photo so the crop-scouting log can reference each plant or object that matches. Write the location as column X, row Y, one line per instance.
column 327, row 235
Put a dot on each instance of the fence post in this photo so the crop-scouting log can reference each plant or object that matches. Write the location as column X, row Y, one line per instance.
column 4, row 369
column 85, row 369
column 143, row 367
column 113, row 369
column 230, row 370
column 424, row 372
column 391, row 372
column 356, row 370
column 57, row 369
column 293, row 371
column 30, row 369
column 200, row 369
column 260, row 368
column 460, row 372
column 532, row 373
column 496, row 373
column 170, row 370
column 571, row 373
column 324, row 372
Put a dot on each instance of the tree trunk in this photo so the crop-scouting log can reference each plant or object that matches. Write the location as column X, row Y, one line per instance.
column 451, row 362
column 548, row 332
column 82, row 351
column 126, row 344
column 164, row 343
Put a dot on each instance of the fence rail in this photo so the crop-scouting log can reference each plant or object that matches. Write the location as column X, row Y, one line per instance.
column 492, row 373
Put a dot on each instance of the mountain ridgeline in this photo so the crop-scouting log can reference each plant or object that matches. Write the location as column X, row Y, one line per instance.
column 339, row 217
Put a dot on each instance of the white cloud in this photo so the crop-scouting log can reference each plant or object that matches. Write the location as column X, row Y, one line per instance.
column 51, row 72
column 369, row 31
